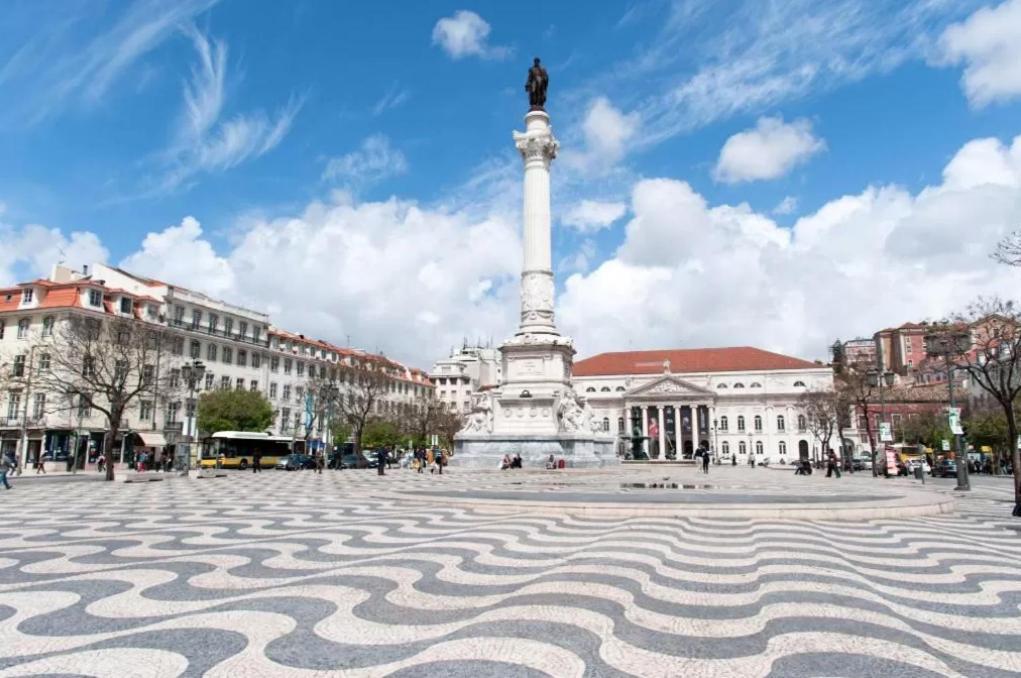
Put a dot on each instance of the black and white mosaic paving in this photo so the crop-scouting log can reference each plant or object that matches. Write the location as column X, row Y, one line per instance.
column 294, row 574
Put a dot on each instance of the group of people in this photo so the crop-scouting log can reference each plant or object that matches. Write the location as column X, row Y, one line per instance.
column 434, row 459
column 804, row 466
column 149, row 461
column 509, row 462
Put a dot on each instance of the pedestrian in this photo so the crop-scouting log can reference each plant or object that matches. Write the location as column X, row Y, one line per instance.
column 40, row 465
column 832, row 465
column 420, row 460
column 257, row 461
column 381, row 462
column 320, row 462
column 705, row 461
column 441, row 461
column 101, row 462
column 6, row 465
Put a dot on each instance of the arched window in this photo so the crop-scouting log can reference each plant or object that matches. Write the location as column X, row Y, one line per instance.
column 755, row 384
column 781, row 425
column 620, row 424
column 782, row 446
column 757, row 422
column 739, row 385
column 799, row 384
column 48, row 326
column 802, row 422
column 606, row 424
column 605, row 389
column 620, row 389
column 740, row 422
column 724, row 423
column 721, row 386
column 758, row 447
column 742, row 448
column 726, row 447
column 590, row 389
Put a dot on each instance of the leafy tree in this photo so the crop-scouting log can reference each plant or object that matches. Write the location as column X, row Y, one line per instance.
column 229, row 410
column 926, row 428
column 340, row 431
column 380, row 433
column 988, row 426
column 855, row 388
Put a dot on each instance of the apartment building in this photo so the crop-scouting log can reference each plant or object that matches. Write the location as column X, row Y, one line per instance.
column 466, row 371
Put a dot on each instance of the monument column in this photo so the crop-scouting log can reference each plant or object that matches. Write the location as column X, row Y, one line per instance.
column 662, row 431
column 677, row 431
column 538, row 147
column 645, row 429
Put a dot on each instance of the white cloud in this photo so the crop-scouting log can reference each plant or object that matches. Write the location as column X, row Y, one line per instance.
column 589, row 216
column 30, row 251
column 394, row 97
column 374, row 161
column 769, row 150
column 988, row 43
column 788, row 205
column 203, row 142
column 606, row 134
column 703, row 275
column 466, row 34
column 452, row 274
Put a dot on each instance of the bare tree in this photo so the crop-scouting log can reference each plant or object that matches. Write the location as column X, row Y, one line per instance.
column 103, row 364
column 363, row 383
column 855, row 390
column 993, row 363
column 1008, row 250
column 431, row 416
column 821, row 415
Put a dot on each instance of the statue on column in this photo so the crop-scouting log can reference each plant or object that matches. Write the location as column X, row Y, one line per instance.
column 538, row 81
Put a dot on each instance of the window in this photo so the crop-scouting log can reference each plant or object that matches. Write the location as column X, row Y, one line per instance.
column 212, row 322
column 224, row 383
column 256, row 360
column 196, row 318
column 18, row 369
column 721, row 386
column 620, row 389
column 782, row 447
column 726, row 447
column 84, row 408
column 256, row 331
column 152, row 310
column 145, row 410
column 95, row 298
column 273, row 389
column 606, row 423
column 173, row 409
column 196, row 349
column 39, row 406
column 287, row 392
column 253, row 385
column 755, row 384
column 739, row 385
column 242, row 358
column 299, row 394
column 742, row 448
column 23, row 326
column 274, row 364
column 3, row 324
column 44, row 361
column 758, row 447
column 27, row 295
column 147, row 374
column 239, row 384
column 177, row 347
column 210, row 352
column 605, row 389
column 802, row 422
column 48, row 326
column 227, row 354
column 799, row 384
column 175, row 377
column 287, row 365
column 757, row 422
column 178, row 315
column 242, row 329
column 285, row 419
column 13, row 405
column 299, row 367
column 126, row 305
column 780, row 424
column 228, row 326
column 740, row 423
column 590, row 389
column 724, row 423
column 209, row 380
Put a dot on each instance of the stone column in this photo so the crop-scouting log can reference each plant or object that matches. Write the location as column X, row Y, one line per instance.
column 645, row 429
column 662, row 431
column 538, row 147
column 677, row 430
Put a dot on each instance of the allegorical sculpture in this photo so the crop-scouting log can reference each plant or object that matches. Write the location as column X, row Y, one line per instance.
column 538, row 81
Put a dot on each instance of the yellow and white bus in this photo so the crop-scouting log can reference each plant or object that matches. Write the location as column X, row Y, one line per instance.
column 239, row 449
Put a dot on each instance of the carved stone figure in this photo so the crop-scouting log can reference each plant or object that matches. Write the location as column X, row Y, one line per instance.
column 538, row 81
column 481, row 418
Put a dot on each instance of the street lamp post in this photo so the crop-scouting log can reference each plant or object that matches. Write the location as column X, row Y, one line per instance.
column 716, row 441
column 192, row 373
column 948, row 345
column 881, row 379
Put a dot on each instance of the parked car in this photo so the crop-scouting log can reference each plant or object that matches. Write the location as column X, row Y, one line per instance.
column 861, row 464
column 946, row 468
column 295, row 462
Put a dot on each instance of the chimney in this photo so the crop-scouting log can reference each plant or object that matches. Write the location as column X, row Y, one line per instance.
column 85, row 270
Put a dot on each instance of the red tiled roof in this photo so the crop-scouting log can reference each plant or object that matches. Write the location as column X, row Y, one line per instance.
column 61, row 297
column 734, row 359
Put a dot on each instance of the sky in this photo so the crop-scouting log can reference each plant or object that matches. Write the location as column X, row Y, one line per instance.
column 747, row 172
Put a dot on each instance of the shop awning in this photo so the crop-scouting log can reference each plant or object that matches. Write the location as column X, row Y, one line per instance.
column 152, row 438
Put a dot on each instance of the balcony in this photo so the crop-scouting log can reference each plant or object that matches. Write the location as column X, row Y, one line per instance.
column 173, row 427
column 219, row 333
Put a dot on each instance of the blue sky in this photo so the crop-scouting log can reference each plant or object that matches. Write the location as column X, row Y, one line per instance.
column 721, row 160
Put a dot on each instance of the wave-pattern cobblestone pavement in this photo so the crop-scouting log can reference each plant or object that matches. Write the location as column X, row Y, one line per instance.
column 292, row 574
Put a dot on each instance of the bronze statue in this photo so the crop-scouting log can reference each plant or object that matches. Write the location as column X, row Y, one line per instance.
column 538, row 81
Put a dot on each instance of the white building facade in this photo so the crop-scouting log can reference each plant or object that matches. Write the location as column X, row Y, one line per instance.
column 737, row 402
column 463, row 374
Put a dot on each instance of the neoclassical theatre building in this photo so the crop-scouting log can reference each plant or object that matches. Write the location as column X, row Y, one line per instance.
column 736, row 401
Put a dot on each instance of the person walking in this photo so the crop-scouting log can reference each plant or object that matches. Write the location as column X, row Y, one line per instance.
column 257, row 462
column 705, row 462
column 40, row 465
column 6, row 465
column 420, row 460
column 831, row 465
column 320, row 462
column 441, row 460
column 381, row 462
